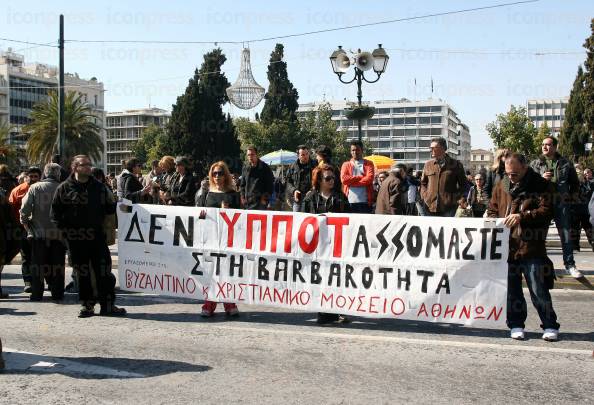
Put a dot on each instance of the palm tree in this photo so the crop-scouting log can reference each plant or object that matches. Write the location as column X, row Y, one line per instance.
column 7, row 151
column 81, row 134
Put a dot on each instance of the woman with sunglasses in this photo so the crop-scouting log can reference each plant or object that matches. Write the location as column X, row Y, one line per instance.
column 322, row 199
column 221, row 194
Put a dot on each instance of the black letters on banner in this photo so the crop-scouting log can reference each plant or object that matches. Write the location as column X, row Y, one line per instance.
column 315, row 273
column 444, row 282
column 433, row 241
column 465, row 255
column 454, row 244
column 495, row 243
column 361, row 240
column 262, row 271
column 349, row 276
column 334, row 271
column 425, row 274
column 134, row 224
column 218, row 261
column 414, row 249
column 195, row 270
column 278, row 269
column 484, row 232
column 297, row 266
column 154, row 227
column 405, row 279
column 234, row 265
column 367, row 278
column 179, row 229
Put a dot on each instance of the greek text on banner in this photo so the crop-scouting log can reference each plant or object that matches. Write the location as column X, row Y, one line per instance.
column 418, row 268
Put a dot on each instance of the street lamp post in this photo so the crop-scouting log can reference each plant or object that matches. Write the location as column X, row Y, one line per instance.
column 362, row 61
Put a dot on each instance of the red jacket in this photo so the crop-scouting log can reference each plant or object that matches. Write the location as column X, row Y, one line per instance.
column 16, row 199
column 348, row 180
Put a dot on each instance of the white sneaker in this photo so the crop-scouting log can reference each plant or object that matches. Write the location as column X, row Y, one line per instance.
column 551, row 335
column 574, row 272
column 517, row 334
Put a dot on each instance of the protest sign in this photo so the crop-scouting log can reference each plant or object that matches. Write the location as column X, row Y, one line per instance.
column 418, row 268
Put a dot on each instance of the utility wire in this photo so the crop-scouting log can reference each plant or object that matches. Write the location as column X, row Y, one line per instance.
column 490, row 52
column 348, row 27
column 29, row 43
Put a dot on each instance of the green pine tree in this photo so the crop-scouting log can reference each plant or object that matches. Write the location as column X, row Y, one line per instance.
column 573, row 134
column 281, row 99
column 198, row 127
column 588, row 92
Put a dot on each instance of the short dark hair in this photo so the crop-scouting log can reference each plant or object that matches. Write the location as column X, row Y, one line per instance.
column 154, row 163
column 517, row 156
column 440, row 141
column 553, row 139
column 34, row 169
column 325, row 152
column 251, row 147
column 357, row 143
column 132, row 163
column 300, row 147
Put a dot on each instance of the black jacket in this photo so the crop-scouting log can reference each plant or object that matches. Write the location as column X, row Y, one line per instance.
column 314, row 203
column 298, row 177
column 81, row 206
column 182, row 189
column 257, row 183
column 132, row 189
column 567, row 185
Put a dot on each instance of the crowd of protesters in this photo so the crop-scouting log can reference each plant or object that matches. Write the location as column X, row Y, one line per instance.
column 46, row 213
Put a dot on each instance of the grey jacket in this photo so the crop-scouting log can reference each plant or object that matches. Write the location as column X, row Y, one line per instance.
column 35, row 211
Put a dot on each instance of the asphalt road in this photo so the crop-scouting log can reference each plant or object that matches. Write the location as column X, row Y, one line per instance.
column 163, row 352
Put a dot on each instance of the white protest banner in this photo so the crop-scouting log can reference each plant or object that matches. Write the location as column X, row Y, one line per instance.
column 418, row 268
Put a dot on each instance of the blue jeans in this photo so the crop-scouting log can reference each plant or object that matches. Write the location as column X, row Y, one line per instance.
column 563, row 224
column 533, row 272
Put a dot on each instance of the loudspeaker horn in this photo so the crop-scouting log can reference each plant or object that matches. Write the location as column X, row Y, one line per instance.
column 364, row 61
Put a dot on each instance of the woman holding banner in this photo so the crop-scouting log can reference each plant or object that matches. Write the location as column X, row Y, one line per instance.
column 221, row 194
column 324, row 198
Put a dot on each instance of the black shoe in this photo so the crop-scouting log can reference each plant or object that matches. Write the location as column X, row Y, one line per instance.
column 343, row 319
column 35, row 298
column 112, row 310
column 3, row 294
column 324, row 318
column 87, row 311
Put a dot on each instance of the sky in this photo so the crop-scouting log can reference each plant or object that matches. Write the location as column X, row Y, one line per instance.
column 501, row 70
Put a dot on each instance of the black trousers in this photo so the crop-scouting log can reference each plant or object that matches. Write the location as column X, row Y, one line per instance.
column 47, row 263
column 91, row 261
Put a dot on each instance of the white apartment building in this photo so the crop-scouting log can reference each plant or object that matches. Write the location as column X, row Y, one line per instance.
column 27, row 84
column 551, row 111
column 124, row 129
column 402, row 129
column 480, row 159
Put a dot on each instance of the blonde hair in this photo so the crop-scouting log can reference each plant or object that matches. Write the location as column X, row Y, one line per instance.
column 500, row 153
column 228, row 183
column 167, row 163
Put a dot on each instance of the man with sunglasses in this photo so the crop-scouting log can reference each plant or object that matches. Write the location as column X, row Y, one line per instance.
column 561, row 173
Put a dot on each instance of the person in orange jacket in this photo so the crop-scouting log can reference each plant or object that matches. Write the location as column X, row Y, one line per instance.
column 357, row 177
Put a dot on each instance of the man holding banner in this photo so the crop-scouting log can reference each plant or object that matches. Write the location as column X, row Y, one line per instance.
column 524, row 199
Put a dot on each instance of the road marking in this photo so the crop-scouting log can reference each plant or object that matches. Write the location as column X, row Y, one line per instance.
column 427, row 342
column 17, row 360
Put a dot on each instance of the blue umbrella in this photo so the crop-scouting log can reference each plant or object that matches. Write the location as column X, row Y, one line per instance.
column 279, row 157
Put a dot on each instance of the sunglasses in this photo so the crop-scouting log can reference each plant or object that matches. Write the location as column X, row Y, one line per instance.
column 218, row 174
column 328, row 178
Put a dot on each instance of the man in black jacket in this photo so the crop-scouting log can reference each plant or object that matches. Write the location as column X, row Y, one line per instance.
column 561, row 173
column 78, row 209
column 298, row 178
column 257, row 182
